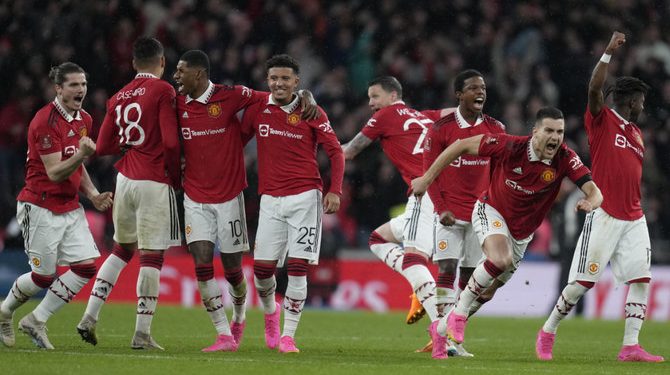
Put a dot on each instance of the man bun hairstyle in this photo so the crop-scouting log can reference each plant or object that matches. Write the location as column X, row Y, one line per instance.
column 147, row 52
column 282, row 61
column 625, row 88
column 196, row 58
column 57, row 73
column 388, row 84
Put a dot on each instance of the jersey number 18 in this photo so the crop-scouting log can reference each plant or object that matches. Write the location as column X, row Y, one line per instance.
column 129, row 124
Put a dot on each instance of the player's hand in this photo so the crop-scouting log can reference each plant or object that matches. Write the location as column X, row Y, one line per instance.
column 86, row 146
column 331, row 203
column 419, row 186
column 447, row 218
column 102, row 201
column 618, row 39
column 584, row 205
column 309, row 109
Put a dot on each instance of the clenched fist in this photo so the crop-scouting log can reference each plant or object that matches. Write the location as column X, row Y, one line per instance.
column 86, row 146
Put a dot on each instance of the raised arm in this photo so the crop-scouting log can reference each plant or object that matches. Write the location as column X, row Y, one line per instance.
column 599, row 75
column 456, row 149
column 355, row 146
column 60, row 170
column 593, row 197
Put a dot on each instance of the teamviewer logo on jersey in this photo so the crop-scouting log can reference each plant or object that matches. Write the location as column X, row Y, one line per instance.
column 186, row 133
column 264, row 130
column 456, row 163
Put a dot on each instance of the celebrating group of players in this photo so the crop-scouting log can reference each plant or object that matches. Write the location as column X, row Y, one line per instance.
column 487, row 193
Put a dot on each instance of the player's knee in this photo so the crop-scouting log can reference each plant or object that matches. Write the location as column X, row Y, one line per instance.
column 43, row 281
column 413, row 259
column 152, row 259
column 86, row 270
column 297, row 267
column 234, row 275
column 263, row 270
column 204, row 272
column 586, row 284
column 376, row 239
column 124, row 254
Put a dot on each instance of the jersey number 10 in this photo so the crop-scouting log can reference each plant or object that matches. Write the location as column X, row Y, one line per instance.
column 129, row 124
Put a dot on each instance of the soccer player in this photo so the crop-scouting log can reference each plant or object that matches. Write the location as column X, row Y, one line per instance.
column 291, row 195
column 526, row 177
column 141, row 124
column 54, row 226
column 457, row 189
column 402, row 131
column 617, row 231
column 214, row 211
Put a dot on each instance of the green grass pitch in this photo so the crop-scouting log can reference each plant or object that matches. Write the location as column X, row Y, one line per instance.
column 331, row 342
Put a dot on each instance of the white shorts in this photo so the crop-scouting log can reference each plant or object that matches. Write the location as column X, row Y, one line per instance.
column 416, row 226
column 145, row 212
column 487, row 221
column 290, row 224
column 52, row 239
column 458, row 241
column 223, row 222
column 624, row 244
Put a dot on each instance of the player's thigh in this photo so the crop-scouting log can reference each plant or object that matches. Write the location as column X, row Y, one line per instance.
column 42, row 233
column 419, row 231
column 124, row 210
column 272, row 231
column 77, row 244
column 487, row 221
column 518, row 250
column 600, row 236
column 232, row 226
column 397, row 226
column 472, row 249
column 632, row 257
column 200, row 221
column 157, row 216
column 449, row 241
column 303, row 213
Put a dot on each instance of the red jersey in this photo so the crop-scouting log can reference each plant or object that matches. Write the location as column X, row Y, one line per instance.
column 213, row 148
column 433, row 114
column 54, row 130
column 617, row 151
column 462, row 182
column 141, row 118
column 401, row 131
column 523, row 187
column 287, row 146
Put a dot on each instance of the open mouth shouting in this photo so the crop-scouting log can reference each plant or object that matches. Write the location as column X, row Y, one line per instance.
column 479, row 102
column 551, row 147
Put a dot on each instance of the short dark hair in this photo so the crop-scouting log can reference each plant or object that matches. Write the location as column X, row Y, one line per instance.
column 459, row 80
column 548, row 112
column 388, row 83
column 625, row 87
column 282, row 61
column 57, row 73
column 196, row 58
column 147, row 51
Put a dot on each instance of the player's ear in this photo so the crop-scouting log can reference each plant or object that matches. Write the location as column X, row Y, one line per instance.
column 163, row 62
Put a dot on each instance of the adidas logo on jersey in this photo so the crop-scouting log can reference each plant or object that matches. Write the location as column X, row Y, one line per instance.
column 70, row 133
column 237, row 242
column 517, row 170
column 267, row 110
column 309, row 249
column 185, row 115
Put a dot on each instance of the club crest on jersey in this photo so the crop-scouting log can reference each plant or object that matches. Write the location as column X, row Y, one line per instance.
column 214, row 110
column 83, row 132
column 36, row 261
column 548, row 175
column 188, row 230
column 442, row 245
column 497, row 224
column 293, row 118
column 594, row 268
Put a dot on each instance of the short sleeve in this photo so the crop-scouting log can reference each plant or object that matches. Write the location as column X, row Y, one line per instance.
column 374, row 128
column 44, row 137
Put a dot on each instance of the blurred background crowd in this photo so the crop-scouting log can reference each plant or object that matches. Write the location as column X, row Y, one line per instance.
column 532, row 53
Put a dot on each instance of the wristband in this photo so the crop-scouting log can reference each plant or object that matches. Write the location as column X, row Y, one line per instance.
column 606, row 58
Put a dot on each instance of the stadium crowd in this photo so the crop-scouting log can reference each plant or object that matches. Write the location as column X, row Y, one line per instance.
column 533, row 53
